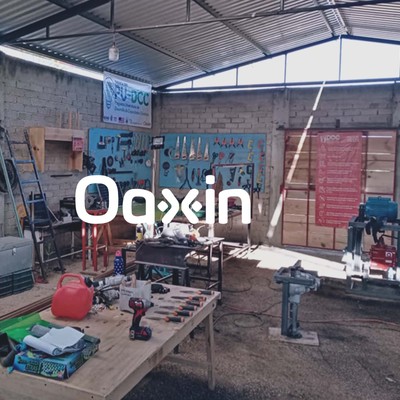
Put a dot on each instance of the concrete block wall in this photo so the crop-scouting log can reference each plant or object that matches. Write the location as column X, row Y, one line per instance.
column 271, row 112
column 33, row 95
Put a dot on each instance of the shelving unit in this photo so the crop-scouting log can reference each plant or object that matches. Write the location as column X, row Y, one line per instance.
column 38, row 137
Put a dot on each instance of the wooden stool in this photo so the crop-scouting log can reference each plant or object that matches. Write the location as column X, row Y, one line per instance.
column 98, row 230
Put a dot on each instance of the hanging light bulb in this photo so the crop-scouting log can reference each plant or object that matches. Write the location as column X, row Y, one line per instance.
column 113, row 51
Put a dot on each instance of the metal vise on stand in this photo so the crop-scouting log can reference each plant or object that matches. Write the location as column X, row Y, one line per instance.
column 296, row 281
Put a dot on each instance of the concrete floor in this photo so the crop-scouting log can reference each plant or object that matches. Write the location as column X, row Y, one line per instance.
column 357, row 357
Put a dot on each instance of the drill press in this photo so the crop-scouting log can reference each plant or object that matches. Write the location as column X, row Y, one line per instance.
column 139, row 307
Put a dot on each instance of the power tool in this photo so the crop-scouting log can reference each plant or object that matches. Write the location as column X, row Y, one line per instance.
column 139, row 307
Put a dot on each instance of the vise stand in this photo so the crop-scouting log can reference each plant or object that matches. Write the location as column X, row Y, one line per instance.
column 296, row 281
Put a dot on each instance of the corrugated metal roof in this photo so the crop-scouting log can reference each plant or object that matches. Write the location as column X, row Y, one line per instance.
column 164, row 55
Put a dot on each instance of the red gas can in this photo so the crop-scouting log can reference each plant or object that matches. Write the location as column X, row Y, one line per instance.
column 72, row 299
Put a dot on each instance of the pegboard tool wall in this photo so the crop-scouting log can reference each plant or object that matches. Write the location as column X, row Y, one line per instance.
column 187, row 158
column 125, row 156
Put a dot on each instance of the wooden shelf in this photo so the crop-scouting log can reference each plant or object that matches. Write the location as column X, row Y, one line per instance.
column 38, row 137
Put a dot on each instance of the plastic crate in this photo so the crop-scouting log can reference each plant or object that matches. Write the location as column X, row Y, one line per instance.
column 16, row 282
column 6, row 285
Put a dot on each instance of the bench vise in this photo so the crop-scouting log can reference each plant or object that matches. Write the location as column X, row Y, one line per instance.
column 296, row 281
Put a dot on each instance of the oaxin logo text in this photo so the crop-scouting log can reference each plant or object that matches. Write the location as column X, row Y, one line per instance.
column 188, row 205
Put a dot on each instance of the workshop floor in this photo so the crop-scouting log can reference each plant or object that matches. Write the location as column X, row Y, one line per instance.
column 357, row 357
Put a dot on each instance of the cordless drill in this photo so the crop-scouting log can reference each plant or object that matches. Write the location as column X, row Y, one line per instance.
column 139, row 307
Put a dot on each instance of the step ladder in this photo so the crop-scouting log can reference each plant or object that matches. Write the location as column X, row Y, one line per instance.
column 30, row 203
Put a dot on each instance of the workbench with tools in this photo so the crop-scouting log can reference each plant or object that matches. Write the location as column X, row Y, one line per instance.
column 121, row 362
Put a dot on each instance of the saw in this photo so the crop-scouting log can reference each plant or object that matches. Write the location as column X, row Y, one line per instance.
column 177, row 149
column 184, row 150
column 192, row 154
column 206, row 156
column 199, row 155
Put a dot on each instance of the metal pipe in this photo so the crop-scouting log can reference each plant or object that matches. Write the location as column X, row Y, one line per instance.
column 188, row 10
column 283, row 85
column 112, row 7
column 246, row 16
column 340, row 57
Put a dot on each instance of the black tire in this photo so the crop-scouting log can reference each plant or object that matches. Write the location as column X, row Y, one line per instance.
column 12, row 176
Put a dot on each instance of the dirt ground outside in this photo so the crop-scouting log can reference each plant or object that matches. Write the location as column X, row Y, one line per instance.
column 357, row 358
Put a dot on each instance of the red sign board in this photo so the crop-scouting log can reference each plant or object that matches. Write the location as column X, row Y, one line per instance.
column 338, row 178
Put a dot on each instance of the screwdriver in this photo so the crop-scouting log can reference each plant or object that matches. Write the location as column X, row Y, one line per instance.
column 197, row 298
column 186, row 307
column 176, row 313
column 167, row 319
column 206, row 292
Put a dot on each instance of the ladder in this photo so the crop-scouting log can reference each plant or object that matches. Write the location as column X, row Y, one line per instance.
column 8, row 185
column 30, row 203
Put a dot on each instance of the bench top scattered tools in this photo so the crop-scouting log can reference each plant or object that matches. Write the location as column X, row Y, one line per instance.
column 120, row 362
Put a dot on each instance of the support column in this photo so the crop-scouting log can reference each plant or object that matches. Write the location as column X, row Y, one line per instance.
column 275, row 151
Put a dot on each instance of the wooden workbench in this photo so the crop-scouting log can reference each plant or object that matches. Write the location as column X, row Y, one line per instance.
column 120, row 362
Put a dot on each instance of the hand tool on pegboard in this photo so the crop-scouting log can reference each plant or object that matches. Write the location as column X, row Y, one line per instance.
column 184, row 149
column 179, row 172
column 204, row 173
column 166, row 166
column 232, row 142
column 118, row 141
column 216, row 141
column 214, row 157
column 247, row 186
column 232, row 172
column 193, row 177
column 199, row 155
column 198, row 181
column 240, row 143
column 192, row 153
column 101, row 144
column 206, row 156
column 177, row 149
column 186, row 179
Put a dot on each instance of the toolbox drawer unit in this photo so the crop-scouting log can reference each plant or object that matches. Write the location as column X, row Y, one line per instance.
column 16, row 261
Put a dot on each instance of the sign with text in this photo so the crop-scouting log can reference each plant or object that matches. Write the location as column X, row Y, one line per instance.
column 126, row 102
column 338, row 178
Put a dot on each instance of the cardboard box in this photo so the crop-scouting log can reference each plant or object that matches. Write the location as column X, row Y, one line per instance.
column 142, row 291
column 62, row 367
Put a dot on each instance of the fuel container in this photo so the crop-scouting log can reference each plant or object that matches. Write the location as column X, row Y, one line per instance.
column 73, row 299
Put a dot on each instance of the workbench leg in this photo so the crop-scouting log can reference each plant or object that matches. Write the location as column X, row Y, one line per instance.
column 209, row 323
column 84, row 245
column 220, row 268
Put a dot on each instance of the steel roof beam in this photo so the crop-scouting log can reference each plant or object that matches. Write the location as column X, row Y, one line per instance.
column 231, row 26
column 129, row 35
column 339, row 17
column 327, row 23
column 51, row 20
column 247, row 16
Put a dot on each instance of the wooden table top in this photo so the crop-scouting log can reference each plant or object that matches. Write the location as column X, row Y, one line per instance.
column 120, row 362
